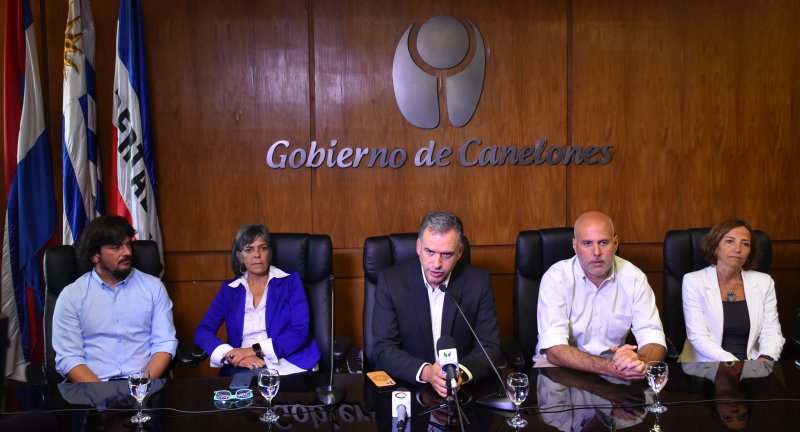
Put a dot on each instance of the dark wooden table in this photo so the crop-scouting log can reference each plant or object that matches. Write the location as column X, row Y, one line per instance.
column 714, row 396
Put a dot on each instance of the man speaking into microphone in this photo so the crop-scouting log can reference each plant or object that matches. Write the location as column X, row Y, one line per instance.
column 414, row 307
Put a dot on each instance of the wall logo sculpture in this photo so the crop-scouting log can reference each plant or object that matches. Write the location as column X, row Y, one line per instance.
column 442, row 43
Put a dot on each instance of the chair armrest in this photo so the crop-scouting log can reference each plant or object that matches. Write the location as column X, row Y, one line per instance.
column 513, row 355
column 340, row 347
column 35, row 374
column 672, row 352
column 355, row 360
column 190, row 355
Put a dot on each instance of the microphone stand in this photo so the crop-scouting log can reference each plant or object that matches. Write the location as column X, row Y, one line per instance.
column 452, row 396
column 446, row 403
column 461, row 417
column 327, row 394
column 499, row 400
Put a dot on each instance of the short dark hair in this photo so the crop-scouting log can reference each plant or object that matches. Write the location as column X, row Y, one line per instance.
column 244, row 236
column 103, row 231
column 711, row 241
column 442, row 222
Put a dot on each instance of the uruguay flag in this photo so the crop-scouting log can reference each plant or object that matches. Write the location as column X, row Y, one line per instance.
column 82, row 184
column 132, row 155
column 30, row 216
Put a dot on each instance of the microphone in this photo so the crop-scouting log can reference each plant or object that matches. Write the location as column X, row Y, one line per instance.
column 401, row 408
column 500, row 400
column 448, row 360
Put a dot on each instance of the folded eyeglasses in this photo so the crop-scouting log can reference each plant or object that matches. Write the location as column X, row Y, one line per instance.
column 226, row 395
column 233, row 403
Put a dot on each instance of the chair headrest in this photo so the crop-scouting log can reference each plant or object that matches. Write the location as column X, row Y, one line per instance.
column 683, row 251
column 537, row 250
column 62, row 267
column 382, row 252
column 310, row 255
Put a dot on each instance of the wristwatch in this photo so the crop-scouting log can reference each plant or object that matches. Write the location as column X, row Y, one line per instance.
column 257, row 349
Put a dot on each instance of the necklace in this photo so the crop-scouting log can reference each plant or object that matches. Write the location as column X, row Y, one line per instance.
column 730, row 296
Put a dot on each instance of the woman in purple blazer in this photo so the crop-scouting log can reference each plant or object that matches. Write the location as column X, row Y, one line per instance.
column 265, row 312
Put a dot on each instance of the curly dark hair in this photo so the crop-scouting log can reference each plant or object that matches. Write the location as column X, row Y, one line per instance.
column 103, row 231
column 712, row 239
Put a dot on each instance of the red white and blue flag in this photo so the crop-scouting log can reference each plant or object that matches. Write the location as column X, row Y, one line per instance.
column 30, row 214
column 132, row 160
column 82, row 183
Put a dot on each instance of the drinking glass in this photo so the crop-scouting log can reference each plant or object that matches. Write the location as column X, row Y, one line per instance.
column 139, row 384
column 657, row 374
column 268, row 383
column 517, row 391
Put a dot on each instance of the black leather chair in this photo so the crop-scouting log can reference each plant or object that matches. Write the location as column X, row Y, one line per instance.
column 311, row 256
column 61, row 268
column 536, row 251
column 380, row 253
column 35, row 420
column 683, row 253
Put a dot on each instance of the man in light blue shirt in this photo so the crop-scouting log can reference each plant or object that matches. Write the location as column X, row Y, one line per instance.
column 113, row 320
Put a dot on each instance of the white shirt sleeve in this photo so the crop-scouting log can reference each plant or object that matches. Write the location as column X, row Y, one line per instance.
column 646, row 324
column 269, row 352
column 552, row 317
column 219, row 352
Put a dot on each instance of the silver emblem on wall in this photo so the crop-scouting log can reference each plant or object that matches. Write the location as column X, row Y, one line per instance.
column 442, row 43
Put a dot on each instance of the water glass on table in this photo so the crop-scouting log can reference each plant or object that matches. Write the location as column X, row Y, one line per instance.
column 657, row 373
column 139, row 384
column 518, row 384
column 269, row 381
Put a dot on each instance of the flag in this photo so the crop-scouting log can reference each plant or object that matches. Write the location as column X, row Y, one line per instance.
column 30, row 213
column 132, row 163
column 82, row 184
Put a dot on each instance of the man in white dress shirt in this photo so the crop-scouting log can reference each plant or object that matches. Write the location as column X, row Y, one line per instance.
column 589, row 303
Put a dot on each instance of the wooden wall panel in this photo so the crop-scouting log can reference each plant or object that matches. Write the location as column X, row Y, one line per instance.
column 198, row 266
column 349, row 309
column 626, row 77
column 227, row 78
column 190, row 300
column 523, row 100
column 503, row 286
column 693, row 96
column 697, row 98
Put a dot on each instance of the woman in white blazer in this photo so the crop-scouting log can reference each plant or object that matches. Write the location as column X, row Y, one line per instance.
column 730, row 311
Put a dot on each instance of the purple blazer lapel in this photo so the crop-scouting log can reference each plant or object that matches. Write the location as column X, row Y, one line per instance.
column 271, row 307
column 235, row 324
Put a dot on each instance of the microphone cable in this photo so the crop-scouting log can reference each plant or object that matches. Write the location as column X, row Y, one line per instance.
column 477, row 339
column 461, row 418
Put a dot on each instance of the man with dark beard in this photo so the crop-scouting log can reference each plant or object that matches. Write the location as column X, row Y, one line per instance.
column 114, row 319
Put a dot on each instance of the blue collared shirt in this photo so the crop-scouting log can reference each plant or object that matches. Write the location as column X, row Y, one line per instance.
column 113, row 331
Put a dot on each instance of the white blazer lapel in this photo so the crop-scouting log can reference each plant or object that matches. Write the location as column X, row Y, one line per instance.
column 714, row 301
column 755, row 301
